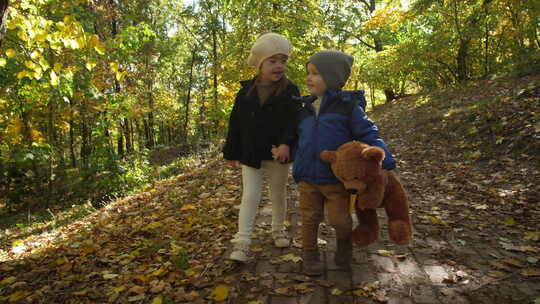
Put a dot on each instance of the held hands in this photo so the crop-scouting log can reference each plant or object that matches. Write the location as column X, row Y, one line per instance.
column 280, row 153
column 233, row 163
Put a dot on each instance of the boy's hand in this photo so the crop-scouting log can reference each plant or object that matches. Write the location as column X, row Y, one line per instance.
column 280, row 153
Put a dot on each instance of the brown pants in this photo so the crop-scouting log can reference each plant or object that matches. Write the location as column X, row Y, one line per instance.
column 313, row 199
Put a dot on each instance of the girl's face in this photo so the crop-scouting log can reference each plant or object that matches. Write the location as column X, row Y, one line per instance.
column 314, row 81
column 273, row 68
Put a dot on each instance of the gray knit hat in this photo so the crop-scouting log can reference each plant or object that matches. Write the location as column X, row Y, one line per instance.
column 334, row 66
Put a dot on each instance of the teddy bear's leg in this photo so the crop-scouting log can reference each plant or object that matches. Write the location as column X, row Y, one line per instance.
column 397, row 209
column 367, row 230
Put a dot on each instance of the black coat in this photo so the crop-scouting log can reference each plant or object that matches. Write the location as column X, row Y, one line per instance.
column 253, row 128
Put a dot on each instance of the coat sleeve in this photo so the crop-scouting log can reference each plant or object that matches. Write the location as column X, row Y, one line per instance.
column 231, row 150
column 363, row 129
column 289, row 135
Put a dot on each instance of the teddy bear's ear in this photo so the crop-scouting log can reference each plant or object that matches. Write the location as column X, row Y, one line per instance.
column 374, row 153
column 328, row 156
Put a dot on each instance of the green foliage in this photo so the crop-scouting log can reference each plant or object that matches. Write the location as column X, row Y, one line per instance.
column 89, row 89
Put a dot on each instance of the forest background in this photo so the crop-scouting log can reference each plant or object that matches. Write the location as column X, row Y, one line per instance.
column 98, row 96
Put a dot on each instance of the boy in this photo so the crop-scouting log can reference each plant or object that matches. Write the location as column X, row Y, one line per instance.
column 328, row 119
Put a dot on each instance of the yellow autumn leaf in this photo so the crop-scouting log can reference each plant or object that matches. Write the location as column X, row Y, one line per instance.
column 120, row 76
column 99, row 48
column 29, row 64
column 57, row 67
column 436, row 220
column 220, row 293
column 90, row 65
column 159, row 272
column 19, row 295
column 3, row 62
column 11, row 53
column 191, row 272
column 114, row 66
column 188, row 207
column 153, row 225
column 8, row 281
column 157, row 300
column 61, row 261
column 509, row 221
column 119, row 289
column 22, row 74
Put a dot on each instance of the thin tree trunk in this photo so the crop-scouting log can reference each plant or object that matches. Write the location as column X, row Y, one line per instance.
column 461, row 60
column 214, row 71
column 71, row 136
column 3, row 17
column 188, row 98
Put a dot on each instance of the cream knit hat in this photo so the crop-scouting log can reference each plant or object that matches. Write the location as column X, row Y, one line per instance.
column 266, row 46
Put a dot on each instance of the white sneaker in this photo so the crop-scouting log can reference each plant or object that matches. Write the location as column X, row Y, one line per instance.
column 240, row 251
column 281, row 239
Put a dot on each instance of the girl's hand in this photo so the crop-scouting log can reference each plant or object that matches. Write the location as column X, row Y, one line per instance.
column 280, row 153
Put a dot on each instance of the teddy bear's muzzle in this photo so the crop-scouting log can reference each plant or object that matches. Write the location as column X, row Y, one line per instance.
column 355, row 187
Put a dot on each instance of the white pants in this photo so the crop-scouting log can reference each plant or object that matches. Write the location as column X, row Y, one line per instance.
column 252, row 182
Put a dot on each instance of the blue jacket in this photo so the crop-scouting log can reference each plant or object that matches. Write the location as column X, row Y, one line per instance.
column 341, row 119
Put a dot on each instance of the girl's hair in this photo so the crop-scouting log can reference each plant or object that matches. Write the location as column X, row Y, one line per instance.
column 280, row 87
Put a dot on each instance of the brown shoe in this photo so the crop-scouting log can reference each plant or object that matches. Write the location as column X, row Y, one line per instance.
column 343, row 256
column 312, row 263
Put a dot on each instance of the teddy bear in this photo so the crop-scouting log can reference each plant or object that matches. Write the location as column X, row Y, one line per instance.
column 359, row 167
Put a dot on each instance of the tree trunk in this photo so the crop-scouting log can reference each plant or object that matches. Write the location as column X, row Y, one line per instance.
column 188, row 98
column 127, row 135
column 3, row 18
column 71, row 136
column 120, row 140
column 461, row 60
column 214, row 71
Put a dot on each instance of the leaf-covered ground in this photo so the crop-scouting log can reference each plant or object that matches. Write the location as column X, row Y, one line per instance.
column 469, row 158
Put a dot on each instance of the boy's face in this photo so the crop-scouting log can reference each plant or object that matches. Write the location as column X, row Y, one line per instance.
column 273, row 68
column 314, row 81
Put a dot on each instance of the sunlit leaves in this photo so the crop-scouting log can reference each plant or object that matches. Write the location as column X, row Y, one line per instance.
column 10, row 53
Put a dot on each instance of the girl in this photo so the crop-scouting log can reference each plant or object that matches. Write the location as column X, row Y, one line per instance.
column 261, row 129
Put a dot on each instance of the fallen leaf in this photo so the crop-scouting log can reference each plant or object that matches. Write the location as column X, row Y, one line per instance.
column 188, row 207
column 496, row 274
column 499, row 265
column 387, row 253
column 361, row 293
column 336, row 292
column 531, row 272
column 8, row 281
column 157, row 300
column 514, row 262
column 325, row 283
column 220, row 293
column 110, row 276
column 509, row 221
column 282, row 291
column 19, row 295
column 136, row 298
column 531, row 236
